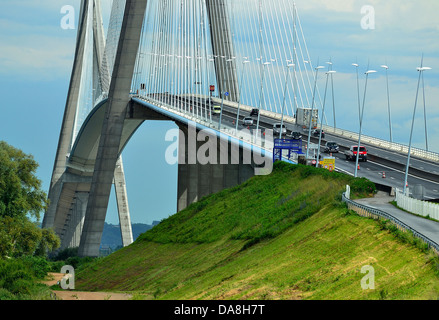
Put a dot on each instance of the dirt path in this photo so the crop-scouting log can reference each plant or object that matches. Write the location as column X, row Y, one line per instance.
column 81, row 295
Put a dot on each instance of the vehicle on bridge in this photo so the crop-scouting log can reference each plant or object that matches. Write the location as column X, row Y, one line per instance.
column 247, row 121
column 254, row 112
column 277, row 129
column 351, row 154
column 331, row 146
column 295, row 135
column 316, row 133
column 216, row 109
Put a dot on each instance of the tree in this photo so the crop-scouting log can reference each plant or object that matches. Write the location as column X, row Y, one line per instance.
column 20, row 189
column 20, row 196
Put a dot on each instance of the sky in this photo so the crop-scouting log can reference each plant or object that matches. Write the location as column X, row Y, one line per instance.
column 36, row 57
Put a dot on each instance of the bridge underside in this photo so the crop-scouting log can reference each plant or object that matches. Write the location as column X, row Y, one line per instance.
column 75, row 183
column 195, row 180
column 226, row 167
column 84, row 173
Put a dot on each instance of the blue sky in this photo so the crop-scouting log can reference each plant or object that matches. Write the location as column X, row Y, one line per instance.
column 36, row 57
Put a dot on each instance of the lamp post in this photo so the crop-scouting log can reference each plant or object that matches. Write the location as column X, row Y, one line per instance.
column 283, row 104
column 361, row 122
column 240, row 90
column 312, row 109
column 333, row 99
column 388, row 102
column 420, row 70
column 261, row 95
column 425, row 112
column 222, row 100
column 210, row 95
column 323, row 112
column 358, row 92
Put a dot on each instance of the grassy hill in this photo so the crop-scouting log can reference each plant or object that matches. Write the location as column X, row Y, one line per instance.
column 281, row 236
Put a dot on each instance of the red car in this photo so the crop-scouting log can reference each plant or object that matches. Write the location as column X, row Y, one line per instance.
column 351, row 154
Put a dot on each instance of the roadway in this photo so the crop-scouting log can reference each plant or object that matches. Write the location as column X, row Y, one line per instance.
column 372, row 170
column 380, row 161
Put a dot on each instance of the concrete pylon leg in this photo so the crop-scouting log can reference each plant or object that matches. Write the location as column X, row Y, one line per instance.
column 80, row 208
column 122, row 204
column 75, row 221
column 222, row 45
column 112, row 129
column 66, row 134
column 195, row 179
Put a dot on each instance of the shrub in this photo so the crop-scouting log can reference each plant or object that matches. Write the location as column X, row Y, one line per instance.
column 16, row 277
column 362, row 186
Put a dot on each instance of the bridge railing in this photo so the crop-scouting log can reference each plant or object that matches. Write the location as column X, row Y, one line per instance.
column 391, row 146
column 242, row 135
column 376, row 214
column 384, row 144
column 380, row 143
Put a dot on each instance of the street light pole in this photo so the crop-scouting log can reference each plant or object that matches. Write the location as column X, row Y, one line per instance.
column 358, row 92
column 283, row 104
column 420, row 69
column 323, row 112
column 210, row 95
column 312, row 109
column 261, row 95
column 361, row 122
column 240, row 90
column 388, row 102
column 425, row 113
column 333, row 99
column 222, row 100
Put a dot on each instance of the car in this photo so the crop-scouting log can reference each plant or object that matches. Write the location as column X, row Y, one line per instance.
column 316, row 133
column 254, row 112
column 216, row 109
column 351, row 154
column 247, row 121
column 331, row 146
column 277, row 130
column 295, row 135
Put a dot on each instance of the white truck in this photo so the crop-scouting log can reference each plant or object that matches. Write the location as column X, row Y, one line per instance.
column 303, row 115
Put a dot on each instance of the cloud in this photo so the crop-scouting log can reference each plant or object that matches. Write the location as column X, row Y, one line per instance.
column 35, row 45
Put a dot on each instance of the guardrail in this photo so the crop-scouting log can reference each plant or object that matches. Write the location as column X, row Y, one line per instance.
column 391, row 146
column 416, row 206
column 369, row 212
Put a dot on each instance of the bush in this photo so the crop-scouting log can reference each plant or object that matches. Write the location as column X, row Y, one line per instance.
column 16, row 277
column 39, row 265
column 362, row 186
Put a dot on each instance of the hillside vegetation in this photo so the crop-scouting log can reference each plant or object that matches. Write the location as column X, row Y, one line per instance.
column 282, row 236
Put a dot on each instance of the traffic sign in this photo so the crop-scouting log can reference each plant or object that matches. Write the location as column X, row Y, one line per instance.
column 226, row 94
column 212, row 88
column 328, row 163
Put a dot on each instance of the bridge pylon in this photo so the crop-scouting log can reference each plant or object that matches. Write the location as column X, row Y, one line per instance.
column 70, row 185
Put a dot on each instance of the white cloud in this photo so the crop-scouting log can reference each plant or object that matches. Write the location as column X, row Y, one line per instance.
column 32, row 42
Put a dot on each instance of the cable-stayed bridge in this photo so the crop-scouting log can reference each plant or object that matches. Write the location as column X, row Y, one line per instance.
column 204, row 64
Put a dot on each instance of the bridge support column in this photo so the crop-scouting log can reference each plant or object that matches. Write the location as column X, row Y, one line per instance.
column 122, row 204
column 112, row 129
column 196, row 178
column 66, row 134
column 222, row 45
column 75, row 221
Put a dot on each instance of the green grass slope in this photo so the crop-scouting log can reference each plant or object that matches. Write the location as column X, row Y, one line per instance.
column 282, row 236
